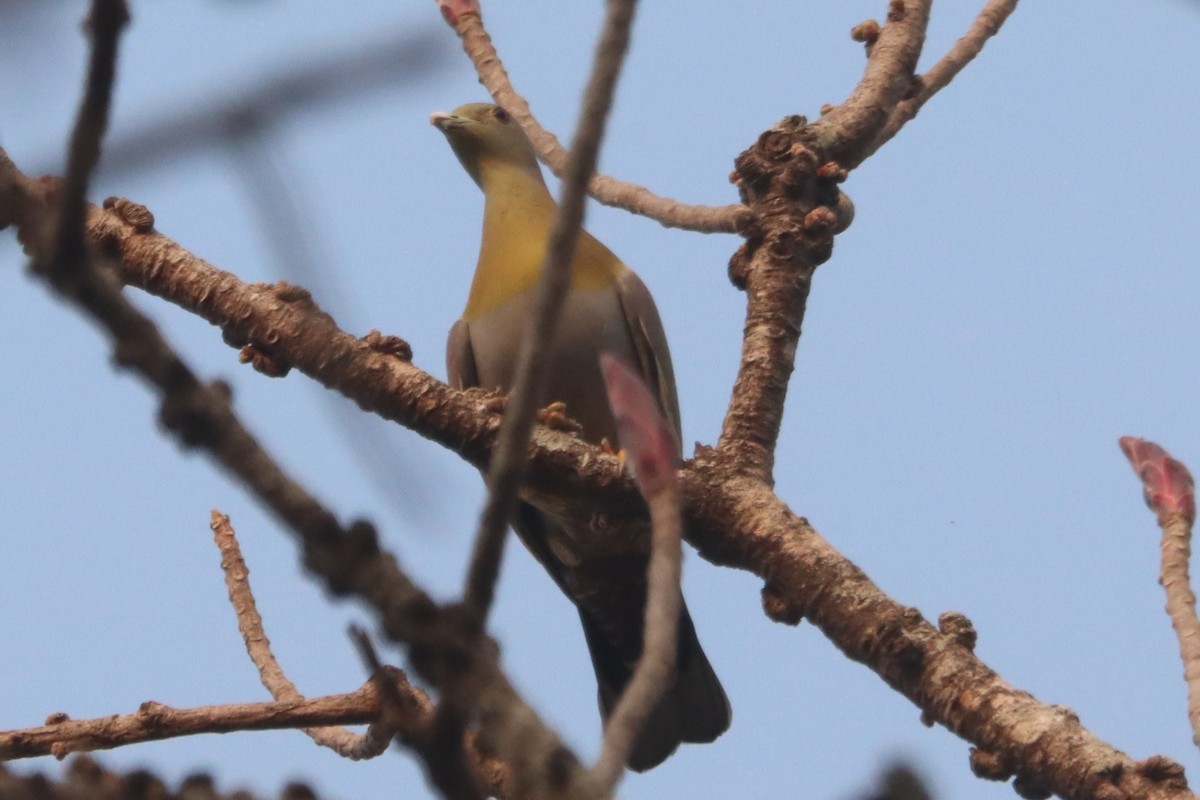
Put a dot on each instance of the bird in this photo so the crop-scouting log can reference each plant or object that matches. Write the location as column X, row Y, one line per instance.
column 607, row 309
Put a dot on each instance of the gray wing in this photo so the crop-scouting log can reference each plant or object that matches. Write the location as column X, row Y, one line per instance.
column 650, row 344
column 461, row 371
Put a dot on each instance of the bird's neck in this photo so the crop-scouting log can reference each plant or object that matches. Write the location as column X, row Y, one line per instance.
column 518, row 212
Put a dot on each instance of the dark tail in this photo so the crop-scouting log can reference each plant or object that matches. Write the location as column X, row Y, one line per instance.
column 693, row 709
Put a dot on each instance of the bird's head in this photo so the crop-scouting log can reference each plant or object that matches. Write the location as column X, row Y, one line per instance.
column 486, row 138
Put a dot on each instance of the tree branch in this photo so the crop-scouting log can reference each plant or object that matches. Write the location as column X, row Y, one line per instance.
column 462, row 663
column 1170, row 492
column 653, row 455
column 344, row 742
column 734, row 520
column 986, row 25
column 465, row 17
column 790, row 178
column 153, row 722
column 846, row 132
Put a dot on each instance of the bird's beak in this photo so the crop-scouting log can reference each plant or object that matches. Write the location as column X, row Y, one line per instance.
column 445, row 122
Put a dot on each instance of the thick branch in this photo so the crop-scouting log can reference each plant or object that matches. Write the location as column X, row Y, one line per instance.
column 733, row 521
column 741, row 523
column 785, row 178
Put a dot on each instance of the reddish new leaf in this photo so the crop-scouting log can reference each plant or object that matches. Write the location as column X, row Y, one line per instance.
column 645, row 436
column 453, row 9
column 1166, row 483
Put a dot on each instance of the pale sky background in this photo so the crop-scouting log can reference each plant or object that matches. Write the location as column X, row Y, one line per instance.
column 1016, row 292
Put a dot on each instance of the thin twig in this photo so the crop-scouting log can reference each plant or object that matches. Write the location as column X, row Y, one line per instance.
column 465, row 17
column 653, row 455
column 985, row 25
column 344, row 742
column 1181, row 606
column 153, row 722
column 508, row 461
column 106, row 20
column 1170, row 492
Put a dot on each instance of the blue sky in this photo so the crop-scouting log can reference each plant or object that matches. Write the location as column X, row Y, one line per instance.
column 1016, row 292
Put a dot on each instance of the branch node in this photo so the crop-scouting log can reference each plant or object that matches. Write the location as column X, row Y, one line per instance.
column 866, row 32
column 136, row 215
column 1162, row 770
column 820, row 220
column 955, row 625
column 57, row 718
column 392, row 346
column 780, row 606
column 990, row 765
column 1030, row 788
column 832, row 171
column 555, row 417
column 268, row 365
column 153, row 711
column 291, row 293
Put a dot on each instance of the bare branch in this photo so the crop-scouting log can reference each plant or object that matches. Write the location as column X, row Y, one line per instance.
column 153, row 722
column 1171, row 493
column 846, row 132
column 344, row 742
column 349, row 560
column 788, row 179
column 507, row 468
column 464, row 15
column 793, row 190
column 67, row 267
column 986, row 25
column 734, row 519
column 650, row 444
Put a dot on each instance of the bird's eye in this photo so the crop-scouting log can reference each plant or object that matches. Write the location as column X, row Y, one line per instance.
column 501, row 115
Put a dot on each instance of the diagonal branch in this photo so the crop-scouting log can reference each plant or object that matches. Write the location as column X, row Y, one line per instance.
column 67, row 265
column 985, row 25
column 734, row 521
column 846, row 132
column 462, row 663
